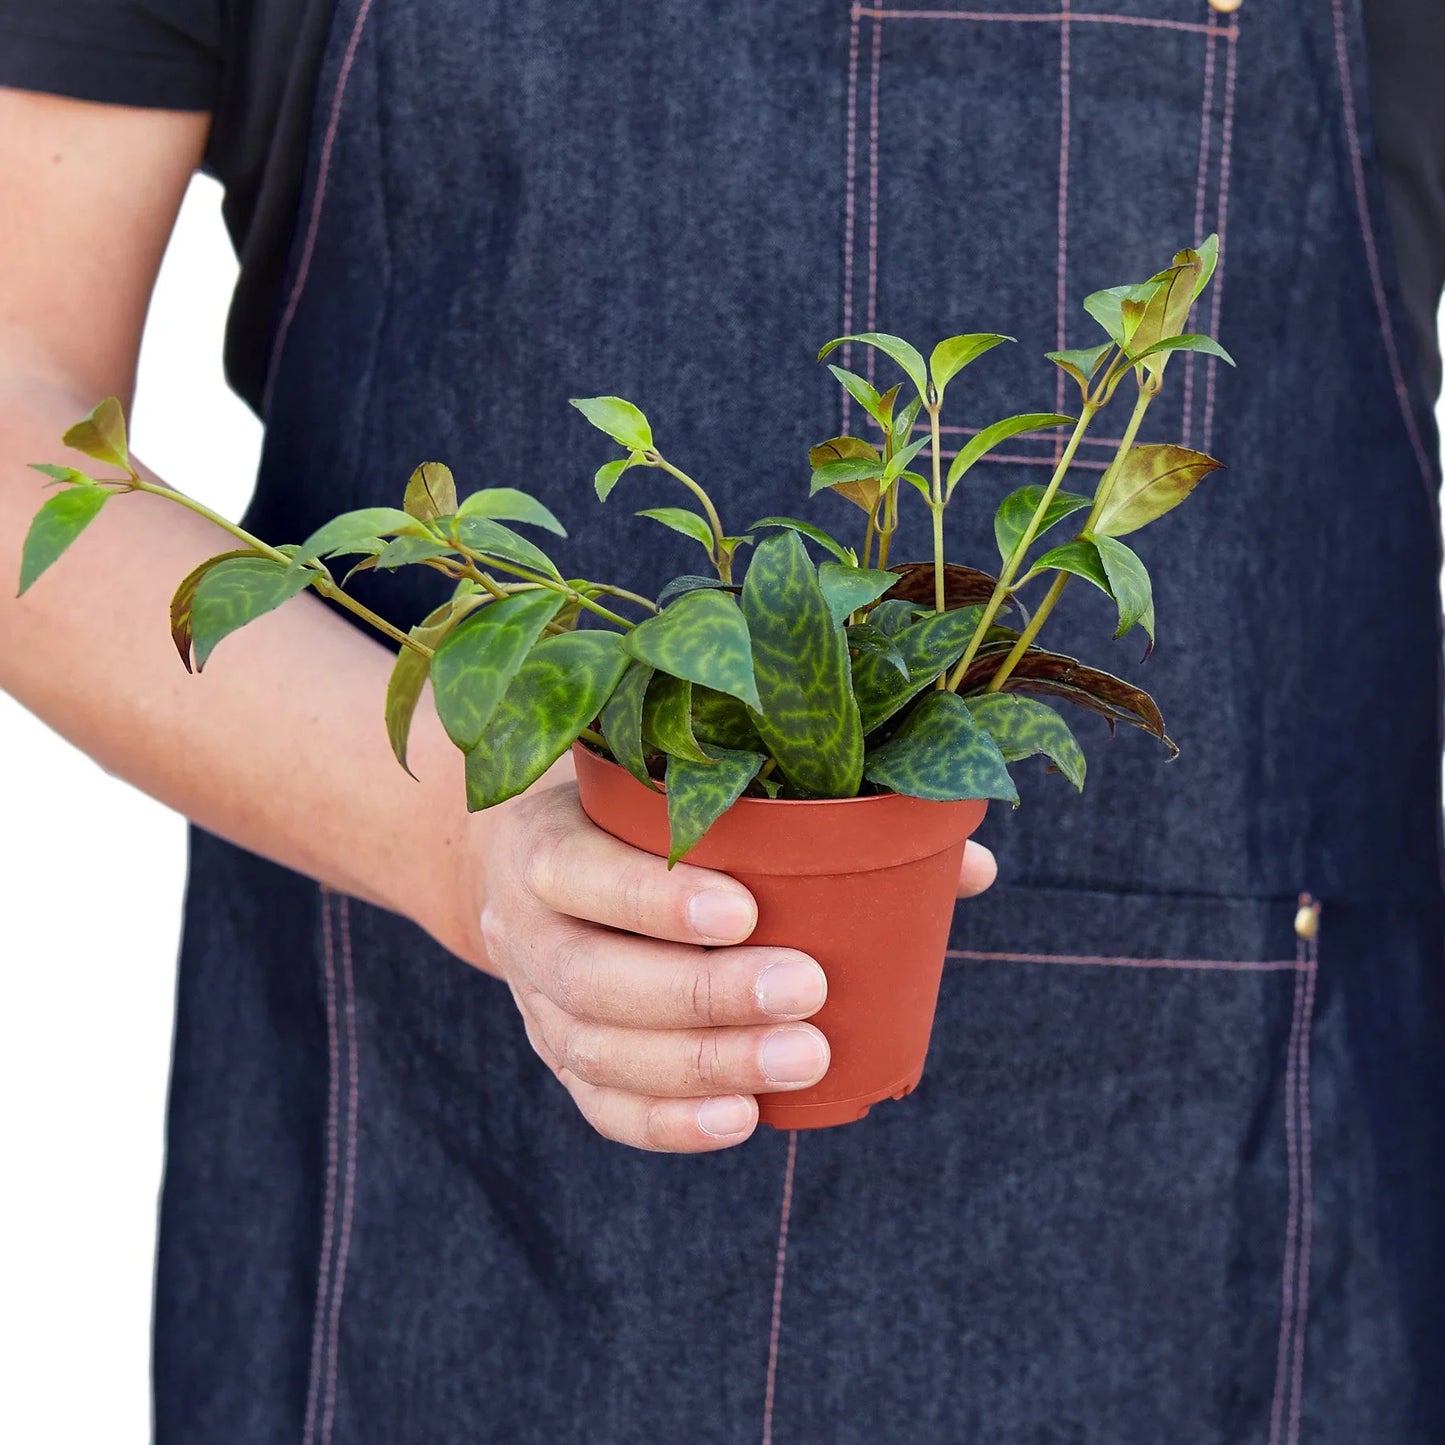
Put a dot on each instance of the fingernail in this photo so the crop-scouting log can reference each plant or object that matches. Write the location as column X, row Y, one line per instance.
column 721, row 914
column 793, row 1056
column 793, row 989
column 725, row 1117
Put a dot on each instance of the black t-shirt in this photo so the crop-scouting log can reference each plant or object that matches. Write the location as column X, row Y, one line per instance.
column 253, row 63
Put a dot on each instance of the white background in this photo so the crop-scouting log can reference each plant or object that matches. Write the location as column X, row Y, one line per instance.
column 92, row 875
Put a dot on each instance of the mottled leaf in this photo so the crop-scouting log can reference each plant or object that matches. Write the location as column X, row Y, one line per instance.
column 478, row 659
column 431, row 492
column 492, row 539
column 720, row 720
column 1017, row 510
column 622, row 721
column 667, row 719
column 809, row 717
column 697, row 796
column 893, row 614
column 1151, row 481
column 1128, row 584
column 622, row 421
column 928, row 646
column 102, row 435
column 1022, row 726
column 507, row 504
column 409, row 672
column 865, row 637
column 846, row 589
column 940, row 753
column 60, row 520
column 688, row 524
column 807, row 529
column 558, row 691
column 702, row 638
column 235, row 591
column 1000, row 431
column 899, row 350
column 690, row 582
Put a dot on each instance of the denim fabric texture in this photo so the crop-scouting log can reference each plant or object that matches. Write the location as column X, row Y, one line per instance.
column 1170, row 1176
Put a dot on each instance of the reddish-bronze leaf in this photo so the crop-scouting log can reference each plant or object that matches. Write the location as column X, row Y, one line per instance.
column 185, row 597
column 962, row 586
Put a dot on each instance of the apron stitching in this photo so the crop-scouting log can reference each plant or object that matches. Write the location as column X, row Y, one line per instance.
column 313, row 224
column 1206, row 118
column 1052, row 18
column 1218, row 965
column 1226, row 150
column 850, row 204
column 348, row 1196
column 1063, row 263
column 1367, row 232
column 873, row 183
column 1307, row 1193
column 1292, row 1210
column 776, row 1328
column 328, row 1209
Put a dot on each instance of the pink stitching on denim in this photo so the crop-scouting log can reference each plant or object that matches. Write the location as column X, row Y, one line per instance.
column 313, row 225
column 1226, row 149
column 1206, row 118
column 776, row 1328
column 850, row 206
column 1291, row 1217
column 1033, row 461
column 328, row 1208
column 348, row 1195
column 1039, row 17
column 1306, row 1201
column 1367, row 231
column 1227, row 965
column 873, row 189
column 1064, row 83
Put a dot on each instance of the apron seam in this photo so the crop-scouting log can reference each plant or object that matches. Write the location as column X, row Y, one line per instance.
column 775, row 1328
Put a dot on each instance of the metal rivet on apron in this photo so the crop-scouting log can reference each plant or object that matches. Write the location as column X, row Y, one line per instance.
column 1225, row 7
column 1307, row 920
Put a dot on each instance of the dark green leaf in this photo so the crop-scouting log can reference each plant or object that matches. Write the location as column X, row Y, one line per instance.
column 939, row 752
column 622, row 721
column 809, row 717
column 701, row 637
column 723, row 720
column 900, row 351
column 1017, row 509
column 894, row 614
column 102, row 435
column 1081, row 558
column 556, row 693
column 1128, row 584
column 1207, row 344
column 951, row 356
column 1151, row 481
column 1000, row 431
column 507, row 504
column 431, row 492
column 478, row 659
column 807, row 529
column 409, row 673
column 689, row 582
column 928, row 647
column 492, row 539
column 865, row 637
column 1023, row 726
column 237, row 591
column 622, row 421
column 60, row 520
column 689, row 524
column 357, row 531
column 697, row 796
column 846, row 589
column 667, row 719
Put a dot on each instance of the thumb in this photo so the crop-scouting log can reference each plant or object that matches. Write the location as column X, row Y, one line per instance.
column 978, row 871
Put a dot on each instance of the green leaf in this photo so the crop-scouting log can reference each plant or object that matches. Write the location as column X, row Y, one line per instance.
column 1207, row 344
column 807, row 529
column 701, row 637
column 1000, row 431
column 951, row 356
column 404, row 551
column 919, row 484
column 67, row 476
column 622, row 721
column 185, row 596
column 940, row 753
column 697, row 796
column 865, row 637
column 355, row 532
column 1151, row 481
column 102, row 435
column 1023, row 726
column 1081, row 365
column 478, row 659
column 863, row 492
column 689, row 582
column 722, row 721
column 1129, row 584
column 689, row 524
column 609, row 474
column 622, row 421
column 928, row 647
column 846, row 589
column 903, row 422
column 237, row 590
column 558, row 691
column 1080, row 558
column 861, row 390
column 808, row 716
column 482, row 534
column 507, row 504
column 60, row 520
column 1016, row 511
column 667, row 719
column 1107, row 308
column 843, row 471
column 892, row 616
column 1161, row 313
column 900, row 459
column 892, row 346
column 431, row 492
column 409, row 672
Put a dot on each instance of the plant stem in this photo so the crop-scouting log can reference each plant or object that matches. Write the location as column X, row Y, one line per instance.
column 1030, row 632
column 1106, row 484
column 550, row 583
column 935, row 505
column 1020, row 551
column 325, row 584
column 721, row 560
column 627, row 596
column 595, row 738
column 868, row 537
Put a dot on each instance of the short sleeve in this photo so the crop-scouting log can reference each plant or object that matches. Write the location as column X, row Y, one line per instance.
column 160, row 54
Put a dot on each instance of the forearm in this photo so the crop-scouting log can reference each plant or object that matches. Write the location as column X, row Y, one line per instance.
column 279, row 747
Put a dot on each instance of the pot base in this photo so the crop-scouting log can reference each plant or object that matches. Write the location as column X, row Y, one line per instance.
column 780, row 1112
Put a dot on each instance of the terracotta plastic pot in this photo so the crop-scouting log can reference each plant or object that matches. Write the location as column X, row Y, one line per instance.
column 864, row 885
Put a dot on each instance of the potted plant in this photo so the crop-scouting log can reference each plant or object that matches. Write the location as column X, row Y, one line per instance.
column 827, row 726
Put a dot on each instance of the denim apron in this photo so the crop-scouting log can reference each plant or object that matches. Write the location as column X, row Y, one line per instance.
column 1173, row 1174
